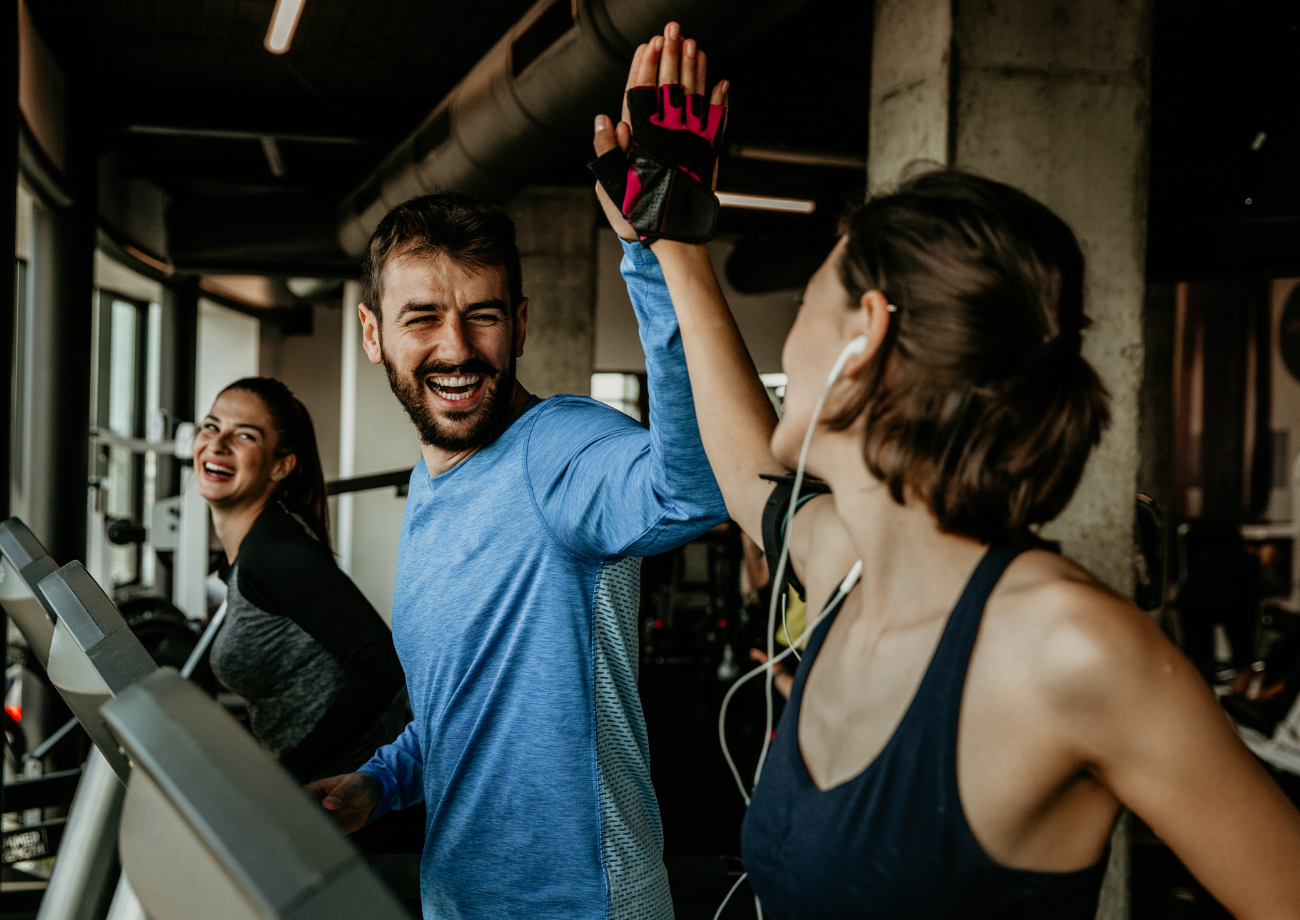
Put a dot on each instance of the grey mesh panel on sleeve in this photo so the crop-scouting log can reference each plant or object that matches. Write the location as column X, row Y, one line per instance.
column 632, row 840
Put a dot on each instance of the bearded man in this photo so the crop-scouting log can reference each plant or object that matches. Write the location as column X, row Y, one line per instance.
column 516, row 606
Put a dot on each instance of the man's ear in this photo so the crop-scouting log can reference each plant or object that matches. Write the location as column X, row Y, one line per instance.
column 370, row 334
column 521, row 327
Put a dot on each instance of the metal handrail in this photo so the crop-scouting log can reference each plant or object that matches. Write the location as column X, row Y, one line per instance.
column 398, row 479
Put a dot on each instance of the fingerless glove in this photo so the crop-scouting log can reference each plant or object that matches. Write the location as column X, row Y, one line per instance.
column 663, row 184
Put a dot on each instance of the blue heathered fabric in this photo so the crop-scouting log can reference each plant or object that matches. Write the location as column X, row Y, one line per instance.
column 493, row 621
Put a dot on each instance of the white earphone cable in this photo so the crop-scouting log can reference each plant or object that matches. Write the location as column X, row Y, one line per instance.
column 743, row 876
column 856, row 347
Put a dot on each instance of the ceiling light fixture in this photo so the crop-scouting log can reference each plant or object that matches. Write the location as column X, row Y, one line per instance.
column 766, row 203
column 283, row 21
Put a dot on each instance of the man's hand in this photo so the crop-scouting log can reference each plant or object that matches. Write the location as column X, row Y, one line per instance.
column 665, row 59
column 351, row 797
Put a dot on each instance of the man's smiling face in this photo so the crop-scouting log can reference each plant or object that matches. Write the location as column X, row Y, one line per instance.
column 448, row 337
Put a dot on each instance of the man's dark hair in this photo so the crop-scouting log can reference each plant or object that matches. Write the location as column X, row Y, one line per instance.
column 466, row 230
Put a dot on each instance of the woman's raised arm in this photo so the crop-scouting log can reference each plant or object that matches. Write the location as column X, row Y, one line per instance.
column 735, row 416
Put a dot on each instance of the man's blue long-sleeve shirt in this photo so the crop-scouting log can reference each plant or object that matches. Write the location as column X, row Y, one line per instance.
column 516, row 619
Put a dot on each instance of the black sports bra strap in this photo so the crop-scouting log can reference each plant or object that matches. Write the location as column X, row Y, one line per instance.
column 952, row 658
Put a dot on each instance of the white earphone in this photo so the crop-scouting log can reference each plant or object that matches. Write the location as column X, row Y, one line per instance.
column 855, row 347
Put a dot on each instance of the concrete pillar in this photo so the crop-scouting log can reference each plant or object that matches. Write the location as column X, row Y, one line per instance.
column 57, row 360
column 1054, row 98
column 60, row 285
column 179, row 338
column 8, row 245
column 557, row 248
column 349, row 346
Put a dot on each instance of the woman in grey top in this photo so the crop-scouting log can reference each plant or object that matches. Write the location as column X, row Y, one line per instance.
column 300, row 643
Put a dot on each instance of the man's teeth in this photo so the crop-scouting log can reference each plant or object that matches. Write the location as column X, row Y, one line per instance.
column 443, row 386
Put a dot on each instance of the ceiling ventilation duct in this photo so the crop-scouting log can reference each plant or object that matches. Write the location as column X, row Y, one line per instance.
column 533, row 95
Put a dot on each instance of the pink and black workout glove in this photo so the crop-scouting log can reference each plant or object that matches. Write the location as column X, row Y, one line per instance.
column 663, row 184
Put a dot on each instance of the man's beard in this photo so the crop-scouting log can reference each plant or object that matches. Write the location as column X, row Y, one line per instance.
column 490, row 417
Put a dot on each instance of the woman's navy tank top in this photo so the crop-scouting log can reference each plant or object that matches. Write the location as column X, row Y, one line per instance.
column 893, row 841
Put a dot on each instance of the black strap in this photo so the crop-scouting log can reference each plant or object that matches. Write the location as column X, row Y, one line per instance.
column 777, row 516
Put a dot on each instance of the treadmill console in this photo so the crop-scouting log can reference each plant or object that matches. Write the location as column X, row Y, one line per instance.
column 214, row 828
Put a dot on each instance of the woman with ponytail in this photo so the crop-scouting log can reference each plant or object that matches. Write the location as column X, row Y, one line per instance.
column 303, row 647
column 972, row 710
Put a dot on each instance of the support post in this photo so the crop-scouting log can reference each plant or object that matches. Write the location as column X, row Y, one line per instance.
column 557, row 250
column 58, row 346
column 178, row 364
column 8, row 245
column 190, row 573
column 179, row 338
column 348, row 420
column 8, row 276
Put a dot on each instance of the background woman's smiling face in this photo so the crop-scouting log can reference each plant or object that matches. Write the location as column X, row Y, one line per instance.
column 234, row 450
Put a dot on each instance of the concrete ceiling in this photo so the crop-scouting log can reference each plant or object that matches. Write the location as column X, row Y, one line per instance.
column 359, row 75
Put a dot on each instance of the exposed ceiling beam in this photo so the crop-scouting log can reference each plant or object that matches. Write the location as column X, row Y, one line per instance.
column 223, row 134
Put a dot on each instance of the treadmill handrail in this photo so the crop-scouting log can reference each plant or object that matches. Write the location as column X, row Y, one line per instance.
column 26, row 562
column 28, row 556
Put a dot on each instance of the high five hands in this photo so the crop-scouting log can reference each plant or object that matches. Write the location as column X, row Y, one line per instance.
column 664, row 183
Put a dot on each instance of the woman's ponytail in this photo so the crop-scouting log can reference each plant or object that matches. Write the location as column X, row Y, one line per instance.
column 303, row 491
column 980, row 403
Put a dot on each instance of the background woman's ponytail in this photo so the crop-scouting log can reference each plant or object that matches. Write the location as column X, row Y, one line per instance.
column 303, row 490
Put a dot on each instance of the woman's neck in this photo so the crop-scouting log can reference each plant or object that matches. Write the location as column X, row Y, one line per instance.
column 909, row 565
column 233, row 523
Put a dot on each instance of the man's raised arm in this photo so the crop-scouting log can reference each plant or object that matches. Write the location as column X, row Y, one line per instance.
column 605, row 485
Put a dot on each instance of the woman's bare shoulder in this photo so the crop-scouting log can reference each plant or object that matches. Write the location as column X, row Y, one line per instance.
column 1085, row 646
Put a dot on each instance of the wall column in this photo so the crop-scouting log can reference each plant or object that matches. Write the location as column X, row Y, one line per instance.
column 8, row 246
column 1053, row 98
column 179, row 336
column 58, row 357
column 557, row 249
column 61, row 314
column 350, row 345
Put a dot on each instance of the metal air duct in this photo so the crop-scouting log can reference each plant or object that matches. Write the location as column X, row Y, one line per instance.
column 533, row 97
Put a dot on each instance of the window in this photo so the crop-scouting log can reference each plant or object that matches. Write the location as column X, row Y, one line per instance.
column 622, row 391
column 124, row 384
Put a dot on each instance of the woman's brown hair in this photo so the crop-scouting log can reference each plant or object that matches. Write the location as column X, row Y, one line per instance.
column 303, row 490
column 979, row 401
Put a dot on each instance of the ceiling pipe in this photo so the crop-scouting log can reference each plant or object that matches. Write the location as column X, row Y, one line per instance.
column 534, row 95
